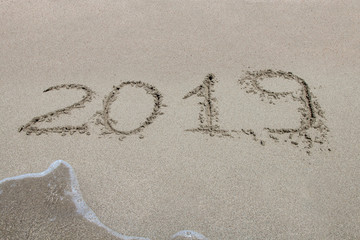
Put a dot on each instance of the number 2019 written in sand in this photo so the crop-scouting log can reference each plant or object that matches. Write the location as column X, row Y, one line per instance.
column 312, row 128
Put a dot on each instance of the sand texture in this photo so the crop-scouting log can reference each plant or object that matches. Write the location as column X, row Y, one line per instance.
column 182, row 120
column 47, row 207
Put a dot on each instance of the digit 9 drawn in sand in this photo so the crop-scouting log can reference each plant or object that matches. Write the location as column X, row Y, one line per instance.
column 312, row 129
column 49, row 117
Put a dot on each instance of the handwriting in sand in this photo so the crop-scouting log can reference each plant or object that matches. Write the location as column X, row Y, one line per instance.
column 312, row 128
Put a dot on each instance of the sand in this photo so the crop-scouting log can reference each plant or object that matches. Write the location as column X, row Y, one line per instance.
column 197, row 120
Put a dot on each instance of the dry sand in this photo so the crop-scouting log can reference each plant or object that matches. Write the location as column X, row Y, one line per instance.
column 235, row 120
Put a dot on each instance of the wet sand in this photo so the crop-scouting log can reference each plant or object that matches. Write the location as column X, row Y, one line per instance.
column 221, row 120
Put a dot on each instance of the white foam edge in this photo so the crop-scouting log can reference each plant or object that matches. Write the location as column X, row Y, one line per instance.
column 82, row 208
column 189, row 234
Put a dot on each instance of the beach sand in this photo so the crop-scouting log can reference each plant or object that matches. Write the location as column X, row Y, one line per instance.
column 226, row 119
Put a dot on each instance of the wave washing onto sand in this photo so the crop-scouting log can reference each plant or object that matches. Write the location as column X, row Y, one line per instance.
column 49, row 205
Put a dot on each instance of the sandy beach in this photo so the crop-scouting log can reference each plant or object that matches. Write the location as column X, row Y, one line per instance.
column 210, row 119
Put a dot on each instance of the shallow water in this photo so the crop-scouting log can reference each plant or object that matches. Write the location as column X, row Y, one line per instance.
column 34, row 205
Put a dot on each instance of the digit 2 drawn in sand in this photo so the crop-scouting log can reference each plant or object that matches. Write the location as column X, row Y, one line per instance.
column 312, row 129
column 102, row 117
column 209, row 114
column 107, row 121
column 49, row 117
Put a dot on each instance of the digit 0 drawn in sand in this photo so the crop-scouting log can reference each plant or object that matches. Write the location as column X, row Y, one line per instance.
column 49, row 117
column 312, row 129
column 103, row 117
column 209, row 112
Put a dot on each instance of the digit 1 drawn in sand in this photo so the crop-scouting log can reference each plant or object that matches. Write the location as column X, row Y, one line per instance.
column 108, row 122
column 49, row 117
column 312, row 129
column 209, row 114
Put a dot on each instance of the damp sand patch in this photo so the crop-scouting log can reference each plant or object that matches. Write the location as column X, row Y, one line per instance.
column 49, row 205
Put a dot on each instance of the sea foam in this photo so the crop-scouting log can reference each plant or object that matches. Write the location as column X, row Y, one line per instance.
column 83, row 209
